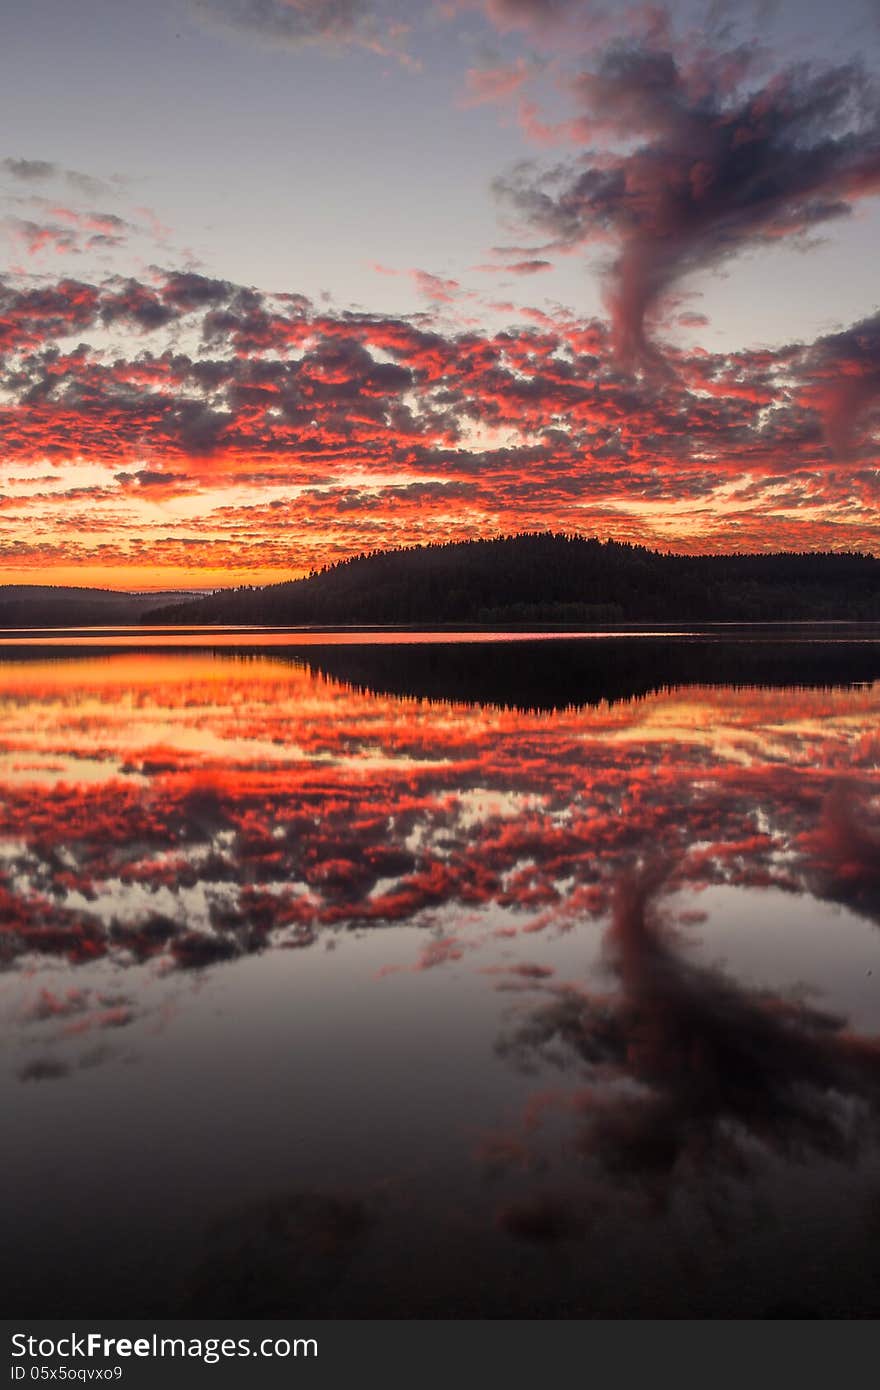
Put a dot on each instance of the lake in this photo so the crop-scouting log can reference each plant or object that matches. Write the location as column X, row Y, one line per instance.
column 410, row 975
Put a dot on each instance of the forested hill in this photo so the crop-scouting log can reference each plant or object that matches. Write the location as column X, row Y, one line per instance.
column 544, row 578
column 51, row 605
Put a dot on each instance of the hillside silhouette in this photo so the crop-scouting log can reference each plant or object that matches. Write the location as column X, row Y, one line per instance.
column 538, row 579
column 55, row 605
column 550, row 579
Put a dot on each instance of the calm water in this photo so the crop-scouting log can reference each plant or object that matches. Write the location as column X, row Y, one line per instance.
column 365, row 975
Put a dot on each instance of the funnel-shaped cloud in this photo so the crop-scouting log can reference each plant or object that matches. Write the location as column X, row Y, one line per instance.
column 695, row 167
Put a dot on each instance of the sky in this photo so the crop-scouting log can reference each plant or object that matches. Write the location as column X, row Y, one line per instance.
column 288, row 280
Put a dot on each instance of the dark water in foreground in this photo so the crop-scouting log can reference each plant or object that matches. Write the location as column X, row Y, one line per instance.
column 371, row 977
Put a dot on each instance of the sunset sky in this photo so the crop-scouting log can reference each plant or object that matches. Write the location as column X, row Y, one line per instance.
column 285, row 280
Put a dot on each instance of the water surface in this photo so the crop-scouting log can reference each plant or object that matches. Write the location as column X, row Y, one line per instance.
column 387, row 975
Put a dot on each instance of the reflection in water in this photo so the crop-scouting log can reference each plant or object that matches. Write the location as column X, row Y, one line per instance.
column 693, row 1069
column 529, row 671
column 567, row 999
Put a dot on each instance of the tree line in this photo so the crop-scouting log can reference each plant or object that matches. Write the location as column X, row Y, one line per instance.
column 552, row 579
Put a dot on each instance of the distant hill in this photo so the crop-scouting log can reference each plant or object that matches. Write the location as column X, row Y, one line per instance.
column 47, row 605
column 537, row 579
column 546, row 579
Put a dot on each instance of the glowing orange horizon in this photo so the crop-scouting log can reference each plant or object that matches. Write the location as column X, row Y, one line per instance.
column 327, row 435
column 138, row 576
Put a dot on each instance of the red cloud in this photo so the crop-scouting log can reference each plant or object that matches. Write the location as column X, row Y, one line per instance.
column 285, row 399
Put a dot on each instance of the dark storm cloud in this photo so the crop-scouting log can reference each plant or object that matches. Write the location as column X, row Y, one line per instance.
column 710, row 167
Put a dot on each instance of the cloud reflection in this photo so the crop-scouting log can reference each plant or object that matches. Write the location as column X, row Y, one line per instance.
column 683, row 1069
column 194, row 810
column 558, row 872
